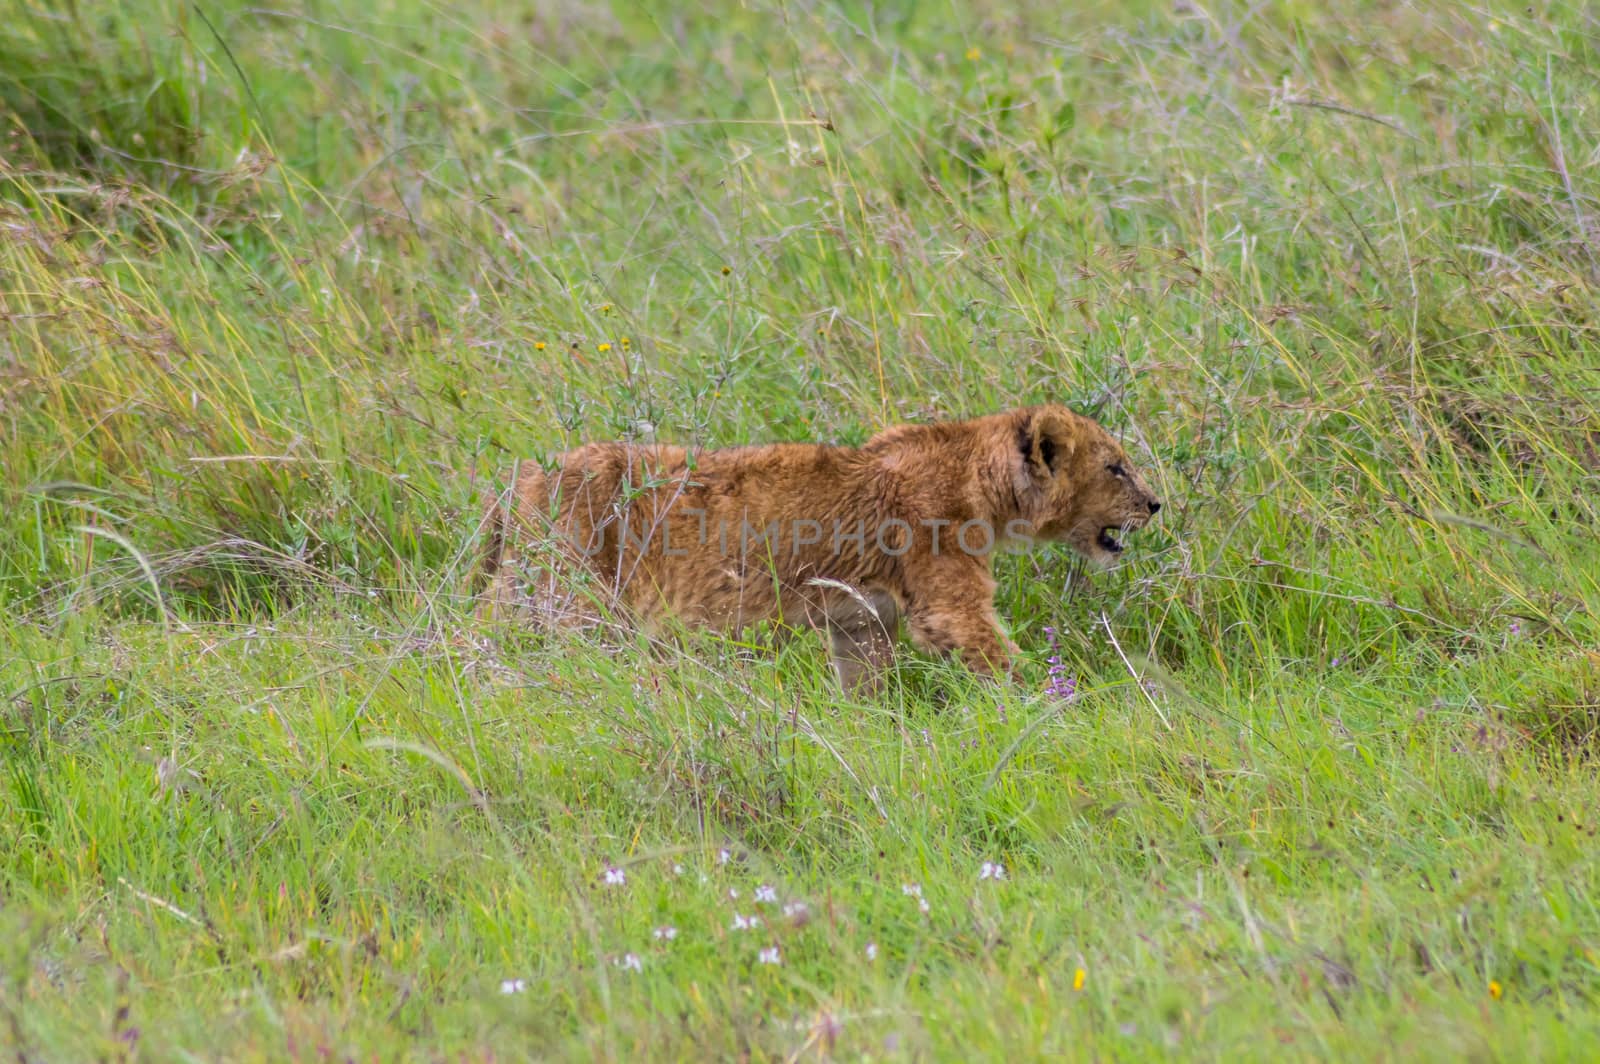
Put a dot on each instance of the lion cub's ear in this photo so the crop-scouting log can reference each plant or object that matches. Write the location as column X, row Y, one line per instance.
column 1046, row 441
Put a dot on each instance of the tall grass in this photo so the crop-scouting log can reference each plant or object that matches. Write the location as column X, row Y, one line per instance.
column 287, row 290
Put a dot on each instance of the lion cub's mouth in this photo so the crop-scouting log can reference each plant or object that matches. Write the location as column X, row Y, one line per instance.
column 1108, row 538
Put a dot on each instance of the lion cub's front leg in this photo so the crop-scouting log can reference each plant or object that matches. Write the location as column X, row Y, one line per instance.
column 954, row 613
column 861, row 638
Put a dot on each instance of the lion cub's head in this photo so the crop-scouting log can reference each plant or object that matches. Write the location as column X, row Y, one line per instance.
column 1074, row 483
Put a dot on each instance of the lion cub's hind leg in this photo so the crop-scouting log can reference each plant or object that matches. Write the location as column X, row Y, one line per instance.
column 542, row 593
column 538, row 580
column 861, row 636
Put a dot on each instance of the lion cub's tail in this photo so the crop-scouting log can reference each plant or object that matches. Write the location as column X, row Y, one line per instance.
column 491, row 540
column 489, row 584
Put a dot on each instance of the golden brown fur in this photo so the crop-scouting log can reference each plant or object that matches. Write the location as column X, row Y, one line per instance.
column 845, row 539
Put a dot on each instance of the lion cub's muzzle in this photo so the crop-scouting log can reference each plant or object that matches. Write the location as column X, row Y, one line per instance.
column 1108, row 535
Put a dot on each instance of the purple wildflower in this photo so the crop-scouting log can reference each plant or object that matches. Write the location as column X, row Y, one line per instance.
column 1061, row 685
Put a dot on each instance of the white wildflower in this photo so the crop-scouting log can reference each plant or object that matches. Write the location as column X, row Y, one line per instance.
column 615, row 877
column 512, row 986
column 766, row 893
column 770, row 956
column 665, row 933
column 630, row 962
column 745, row 923
column 994, row 870
column 872, row 951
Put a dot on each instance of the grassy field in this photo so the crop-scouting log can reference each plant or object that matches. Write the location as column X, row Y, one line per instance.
column 285, row 290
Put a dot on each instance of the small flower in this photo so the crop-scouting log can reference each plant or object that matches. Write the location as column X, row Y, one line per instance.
column 512, row 986
column 911, row 890
column 872, row 951
column 1078, row 978
column 605, row 308
column 1334, row 664
column 1061, row 685
column 630, row 962
column 770, row 956
column 796, row 910
column 677, row 869
column 1515, row 629
column 1496, row 991
column 974, row 54
column 723, row 856
column 665, row 933
column 538, row 345
column 615, row 877
column 733, row 893
column 745, row 923
column 625, row 342
column 766, row 894
column 994, row 870
column 603, row 348
column 727, row 270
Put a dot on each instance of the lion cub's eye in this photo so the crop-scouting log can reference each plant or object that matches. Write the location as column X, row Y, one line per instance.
column 1116, row 470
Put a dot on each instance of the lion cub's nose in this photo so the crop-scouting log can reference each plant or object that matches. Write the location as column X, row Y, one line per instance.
column 1154, row 506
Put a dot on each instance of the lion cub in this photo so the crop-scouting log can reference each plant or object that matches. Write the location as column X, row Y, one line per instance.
column 847, row 539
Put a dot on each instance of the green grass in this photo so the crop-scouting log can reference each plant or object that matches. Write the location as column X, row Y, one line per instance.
column 285, row 292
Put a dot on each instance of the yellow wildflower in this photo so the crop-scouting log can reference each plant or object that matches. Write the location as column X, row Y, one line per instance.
column 1496, row 990
column 603, row 348
column 974, row 53
column 1078, row 978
